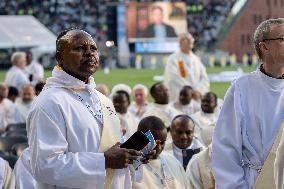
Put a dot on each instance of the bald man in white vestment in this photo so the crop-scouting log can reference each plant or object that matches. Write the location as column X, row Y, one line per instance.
column 185, row 68
column 251, row 114
column 73, row 129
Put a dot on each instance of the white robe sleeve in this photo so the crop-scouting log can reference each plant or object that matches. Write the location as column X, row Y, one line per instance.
column 172, row 79
column 203, row 84
column 279, row 165
column 52, row 163
column 227, row 144
column 193, row 174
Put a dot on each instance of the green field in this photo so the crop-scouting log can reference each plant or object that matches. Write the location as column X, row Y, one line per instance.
column 145, row 76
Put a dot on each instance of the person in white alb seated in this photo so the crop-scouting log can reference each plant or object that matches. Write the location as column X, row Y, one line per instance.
column 207, row 117
column 128, row 123
column 24, row 103
column 34, row 69
column 185, row 68
column 73, row 130
column 199, row 170
column 16, row 76
column 8, row 111
column 184, row 145
column 140, row 104
column 163, row 170
column 161, row 107
column 252, row 113
column 186, row 104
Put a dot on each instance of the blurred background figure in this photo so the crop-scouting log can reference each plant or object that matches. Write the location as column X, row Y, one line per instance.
column 140, row 104
column 161, row 107
column 207, row 116
column 158, row 29
column 13, row 94
column 38, row 87
column 185, row 68
column 121, row 101
column 23, row 104
column 8, row 111
column 186, row 104
column 16, row 76
column 120, row 87
column 102, row 88
column 34, row 70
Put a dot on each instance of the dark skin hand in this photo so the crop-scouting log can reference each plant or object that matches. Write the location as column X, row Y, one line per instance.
column 118, row 158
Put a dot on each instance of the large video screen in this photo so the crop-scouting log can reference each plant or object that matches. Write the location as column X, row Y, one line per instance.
column 155, row 21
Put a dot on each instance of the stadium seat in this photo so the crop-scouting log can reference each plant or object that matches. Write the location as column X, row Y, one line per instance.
column 7, row 142
column 15, row 126
column 17, row 149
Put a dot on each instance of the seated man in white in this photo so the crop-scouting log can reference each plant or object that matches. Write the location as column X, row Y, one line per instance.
column 186, row 104
column 161, row 107
column 163, row 170
column 73, row 130
column 24, row 103
column 184, row 145
column 34, row 69
column 121, row 101
column 7, row 179
column 16, row 76
column 207, row 117
column 199, row 170
column 140, row 104
column 8, row 111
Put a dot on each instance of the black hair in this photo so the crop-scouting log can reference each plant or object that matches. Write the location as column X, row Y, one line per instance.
column 211, row 94
column 184, row 117
column 187, row 87
column 39, row 86
column 151, row 123
column 153, row 88
column 124, row 93
column 13, row 91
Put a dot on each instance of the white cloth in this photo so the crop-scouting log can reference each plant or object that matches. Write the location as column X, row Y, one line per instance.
column 199, row 170
column 128, row 123
column 246, row 129
column 36, row 70
column 188, row 109
column 279, row 164
column 64, row 146
column 138, row 111
column 203, row 120
column 23, row 109
column 16, row 77
column 23, row 172
column 196, row 75
column 7, row 179
column 8, row 113
column 177, row 152
column 171, row 172
column 163, row 111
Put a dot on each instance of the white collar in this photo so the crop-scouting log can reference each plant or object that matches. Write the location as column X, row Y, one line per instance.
column 62, row 79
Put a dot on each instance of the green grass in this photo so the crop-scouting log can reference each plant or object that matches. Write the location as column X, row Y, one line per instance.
column 145, row 76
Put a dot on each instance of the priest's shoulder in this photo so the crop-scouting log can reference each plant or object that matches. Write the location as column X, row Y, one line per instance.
column 245, row 79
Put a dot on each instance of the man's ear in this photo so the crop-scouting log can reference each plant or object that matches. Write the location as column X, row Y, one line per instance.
column 58, row 56
column 263, row 46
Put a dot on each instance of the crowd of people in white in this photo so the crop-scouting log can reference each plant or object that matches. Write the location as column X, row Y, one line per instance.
column 74, row 124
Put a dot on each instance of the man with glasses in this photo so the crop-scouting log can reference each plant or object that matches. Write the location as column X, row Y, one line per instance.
column 252, row 114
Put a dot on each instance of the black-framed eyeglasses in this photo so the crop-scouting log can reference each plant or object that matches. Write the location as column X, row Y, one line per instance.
column 273, row 39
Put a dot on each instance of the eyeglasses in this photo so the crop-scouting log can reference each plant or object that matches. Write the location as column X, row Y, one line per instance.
column 281, row 39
